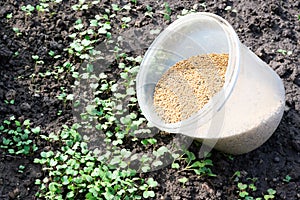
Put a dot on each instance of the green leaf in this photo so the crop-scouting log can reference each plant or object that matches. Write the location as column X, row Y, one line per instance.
column 175, row 166
column 243, row 194
column 91, row 109
column 51, row 53
column 157, row 163
column 271, row 191
column 252, row 187
column 102, row 31
column 151, row 182
column 191, row 156
column 107, row 26
column 65, row 180
column 125, row 153
column 53, row 186
column 147, row 194
column 183, row 180
column 36, row 130
column 242, row 186
column 287, row 178
column 130, row 91
column 53, row 162
column 11, row 151
column 17, row 123
column 35, row 57
column 37, row 182
column 197, row 164
column 126, row 19
column 94, row 22
column 115, row 7
column 132, row 190
column 9, row 16
column 161, row 151
column 108, row 195
column 6, row 141
column 145, row 168
column 26, row 122
column 85, row 42
column 70, row 194
column 89, row 68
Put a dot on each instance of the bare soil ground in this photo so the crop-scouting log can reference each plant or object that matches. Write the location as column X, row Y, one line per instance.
column 263, row 26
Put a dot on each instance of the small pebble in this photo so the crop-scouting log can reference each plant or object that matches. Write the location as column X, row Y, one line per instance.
column 25, row 106
column 276, row 159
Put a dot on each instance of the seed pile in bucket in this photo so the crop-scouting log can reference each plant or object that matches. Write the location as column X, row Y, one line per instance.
column 188, row 85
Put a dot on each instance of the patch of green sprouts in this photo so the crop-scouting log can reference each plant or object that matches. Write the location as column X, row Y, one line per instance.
column 17, row 137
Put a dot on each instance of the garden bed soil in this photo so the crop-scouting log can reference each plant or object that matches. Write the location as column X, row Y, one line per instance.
column 263, row 26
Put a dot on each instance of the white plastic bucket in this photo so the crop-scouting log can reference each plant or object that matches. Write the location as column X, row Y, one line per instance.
column 248, row 109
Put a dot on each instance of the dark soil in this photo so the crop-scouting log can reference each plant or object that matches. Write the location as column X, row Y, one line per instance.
column 263, row 26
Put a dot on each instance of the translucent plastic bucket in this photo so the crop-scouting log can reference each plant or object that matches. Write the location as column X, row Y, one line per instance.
column 249, row 107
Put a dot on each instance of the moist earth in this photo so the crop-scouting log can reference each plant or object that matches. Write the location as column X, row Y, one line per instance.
column 263, row 26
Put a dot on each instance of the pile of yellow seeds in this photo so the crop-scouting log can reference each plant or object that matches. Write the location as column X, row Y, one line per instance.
column 188, row 85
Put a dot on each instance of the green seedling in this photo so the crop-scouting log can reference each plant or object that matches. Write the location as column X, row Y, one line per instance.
column 42, row 7
column 115, row 7
column 183, row 180
column 242, row 190
column 236, row 176
column 78, row 24
column 21, row 168
column 270, row 195
column 284, row 52
column 75, row 171
column 36, row 60
column 149, row 11
column 59, row 112
column 51, row 53
column 9, row 16
column 125, row 21
column 245, row 189
column 28, row 9
column 17, row 31
column 149, row 141
column 287, row 179
column 16, row 137
column 167, row 12
column 200, row 167
column 9, row 102
column 16, row 54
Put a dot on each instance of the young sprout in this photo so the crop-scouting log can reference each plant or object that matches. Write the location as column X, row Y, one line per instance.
column 149, row 11
column 167, row 12
column 28, row 9
column 284, row 52
column 9, row 16
column 125, row 21
column 51, row 53
column 17, row 31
